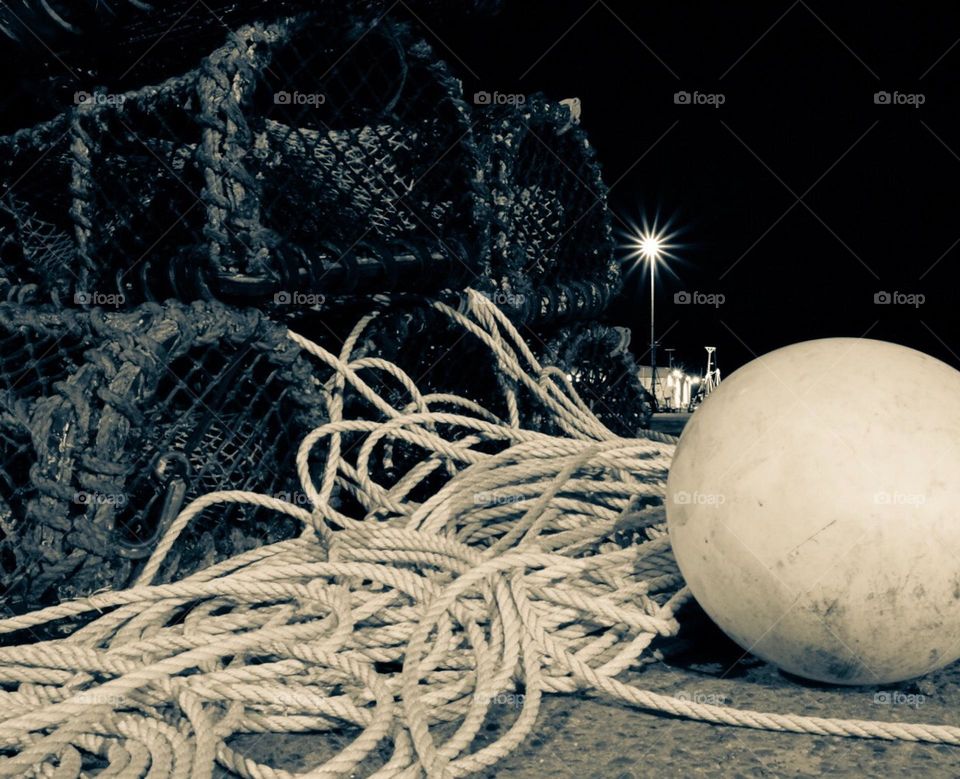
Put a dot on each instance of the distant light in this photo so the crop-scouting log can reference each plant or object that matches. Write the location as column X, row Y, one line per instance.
column 694, row 379
column 650, row 246
column 650, row 242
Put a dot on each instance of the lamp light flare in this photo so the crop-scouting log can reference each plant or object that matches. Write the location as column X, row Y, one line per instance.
column 650, row 243
column 650, row 247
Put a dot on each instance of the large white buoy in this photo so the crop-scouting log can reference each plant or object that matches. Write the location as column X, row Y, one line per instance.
column 814, row 509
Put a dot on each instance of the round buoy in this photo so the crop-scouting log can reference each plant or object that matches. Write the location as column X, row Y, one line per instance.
column 813, row 505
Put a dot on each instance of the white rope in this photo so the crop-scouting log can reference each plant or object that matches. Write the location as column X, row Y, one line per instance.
column 503, row 581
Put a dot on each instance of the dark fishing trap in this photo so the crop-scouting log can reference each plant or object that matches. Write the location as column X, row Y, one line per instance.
column 161, row 225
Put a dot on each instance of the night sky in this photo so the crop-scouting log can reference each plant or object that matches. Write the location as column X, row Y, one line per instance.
column 878, row 183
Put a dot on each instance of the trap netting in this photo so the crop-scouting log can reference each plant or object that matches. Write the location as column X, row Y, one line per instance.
column 599, row 364
column 550, row 223
column 303, row 160
column 111, row 422
column 494, row 563
column 423, row 342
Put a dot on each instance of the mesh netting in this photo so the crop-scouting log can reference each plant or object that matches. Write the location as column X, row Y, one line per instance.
column 53, row 48
column 112, row 422
column 603, row 371
column 440, row 357
column 308, row 157
column 550, row 227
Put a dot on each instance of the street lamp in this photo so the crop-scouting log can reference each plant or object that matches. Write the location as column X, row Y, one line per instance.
column 651, row 245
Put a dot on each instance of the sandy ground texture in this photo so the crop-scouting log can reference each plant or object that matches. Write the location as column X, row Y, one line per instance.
column 584, row 735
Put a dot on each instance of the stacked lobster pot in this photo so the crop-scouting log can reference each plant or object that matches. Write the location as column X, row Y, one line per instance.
column 111, row 422
column 551, row 227
column 158, row 240
column 301, row 156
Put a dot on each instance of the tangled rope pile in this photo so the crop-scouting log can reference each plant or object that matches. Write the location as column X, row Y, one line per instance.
column 504, row 577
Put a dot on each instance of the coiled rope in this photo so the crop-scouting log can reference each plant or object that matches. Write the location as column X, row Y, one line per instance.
column 504, row 579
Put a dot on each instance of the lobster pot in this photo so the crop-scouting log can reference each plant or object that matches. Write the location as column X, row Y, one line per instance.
column 125, row 419
column 310, row 154
column 437, row 355
column 38, row 348
column 598, row 363
column 369, row 167
column 551, row 239
column 52, row 48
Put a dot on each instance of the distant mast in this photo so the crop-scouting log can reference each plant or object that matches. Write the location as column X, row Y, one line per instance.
column 711, row 378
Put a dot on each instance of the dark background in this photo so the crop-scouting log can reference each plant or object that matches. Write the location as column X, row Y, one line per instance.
column 798, row 77
column 800, row 97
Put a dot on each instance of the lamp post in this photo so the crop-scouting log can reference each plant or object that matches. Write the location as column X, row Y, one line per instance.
column 651, row 249
column 652, row 244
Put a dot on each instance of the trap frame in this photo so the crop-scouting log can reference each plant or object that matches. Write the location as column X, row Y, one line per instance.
column 112, row 421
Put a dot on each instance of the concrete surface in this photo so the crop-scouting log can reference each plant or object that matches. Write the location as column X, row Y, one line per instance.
column 585, row 736
column 670, row 422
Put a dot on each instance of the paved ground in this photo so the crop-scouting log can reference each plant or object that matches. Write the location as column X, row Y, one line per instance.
column 671, row 423
column 585, row 736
